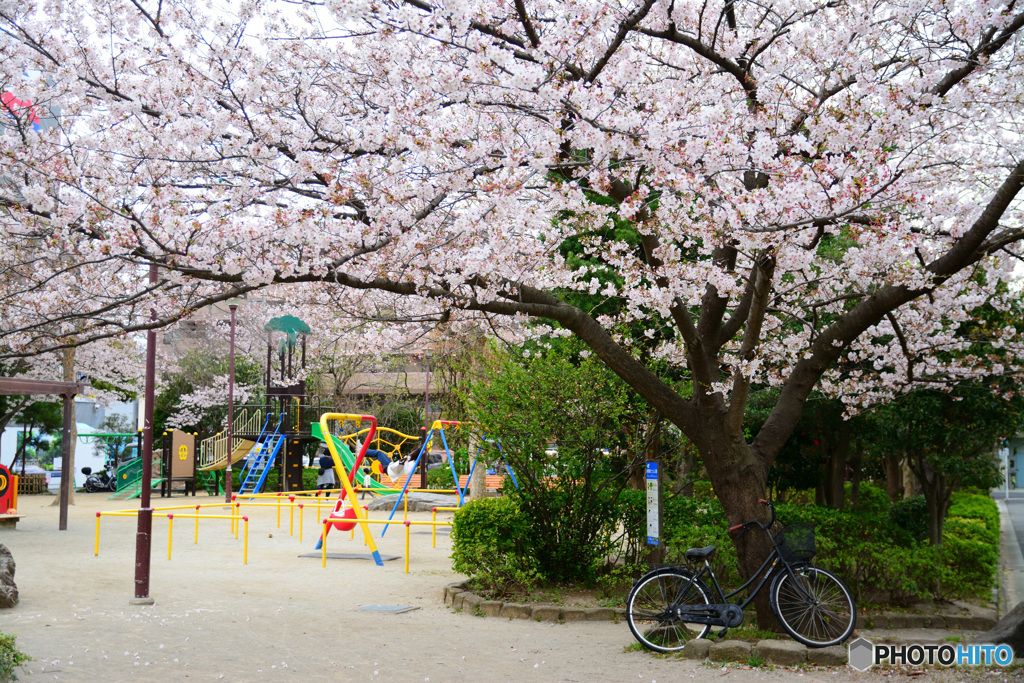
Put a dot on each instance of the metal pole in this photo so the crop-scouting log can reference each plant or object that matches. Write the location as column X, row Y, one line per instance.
column 231, row 408
column 67, row 475
column 426, row 426
column 143, row 536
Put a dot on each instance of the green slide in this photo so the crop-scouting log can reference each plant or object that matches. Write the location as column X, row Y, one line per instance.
column 348, row 459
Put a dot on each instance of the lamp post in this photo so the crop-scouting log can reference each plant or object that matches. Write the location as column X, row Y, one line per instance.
column 232, row 304
column 426, row 427
column 143, row 535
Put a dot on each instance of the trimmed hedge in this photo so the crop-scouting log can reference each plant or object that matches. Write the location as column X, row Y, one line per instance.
column 876, row 552
column 489, row 545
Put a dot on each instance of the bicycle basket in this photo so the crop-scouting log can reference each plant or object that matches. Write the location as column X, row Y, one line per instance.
column 797, row 542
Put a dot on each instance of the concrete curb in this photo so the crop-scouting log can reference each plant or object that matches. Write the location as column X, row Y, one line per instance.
column 457, row 596
column 777, row 652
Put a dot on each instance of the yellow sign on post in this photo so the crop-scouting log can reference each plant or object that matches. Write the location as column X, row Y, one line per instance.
column 184, row 445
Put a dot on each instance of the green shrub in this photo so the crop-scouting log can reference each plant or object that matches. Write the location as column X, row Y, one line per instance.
column 975, row 506
column 309, row 475
column 906, row 574
column 971, row 552
column 631, row 543
column 490, row 546
column 873, row 552
column 871, row 499
column 702, row 489
column 571, row 527
column 569, row 494
column 911, row 515
column 695, row 523
column 440, row 478
column 10, row 657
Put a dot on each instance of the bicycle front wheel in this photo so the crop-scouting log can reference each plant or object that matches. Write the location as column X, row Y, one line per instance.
column 651, row 609
column 814, row 606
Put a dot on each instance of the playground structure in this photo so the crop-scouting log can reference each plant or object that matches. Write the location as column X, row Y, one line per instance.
column 348, row 452
column 238, row 521
column 113, row 445
column 347, row 477
column 438, row 430
column 176, row 463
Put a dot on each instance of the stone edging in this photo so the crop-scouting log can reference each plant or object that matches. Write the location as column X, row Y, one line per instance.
column 779, row 652
column 897, row 620
column 457, row 596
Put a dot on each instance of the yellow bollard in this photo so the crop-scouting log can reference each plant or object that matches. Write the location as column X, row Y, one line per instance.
column 433, row 531
column 407, row 527
column 279, row 511
column 170, row 534
column 238, row 517
column 196, row 541
column 301, row 516
column 245, row 548
column 97, row 552
column 291, row 516
column 323, row 547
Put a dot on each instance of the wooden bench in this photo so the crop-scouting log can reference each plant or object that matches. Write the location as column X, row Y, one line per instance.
column 495, row 482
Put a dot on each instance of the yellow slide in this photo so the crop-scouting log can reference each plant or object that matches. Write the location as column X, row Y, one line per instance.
column 241, row 450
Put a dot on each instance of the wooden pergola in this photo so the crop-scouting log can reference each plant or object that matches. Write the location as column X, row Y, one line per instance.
column 18, row 386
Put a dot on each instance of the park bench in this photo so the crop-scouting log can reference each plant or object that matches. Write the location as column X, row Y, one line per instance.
column 495, row 482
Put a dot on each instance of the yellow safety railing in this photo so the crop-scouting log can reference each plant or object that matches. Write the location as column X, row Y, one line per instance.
column 292, row 501
column 170, row 528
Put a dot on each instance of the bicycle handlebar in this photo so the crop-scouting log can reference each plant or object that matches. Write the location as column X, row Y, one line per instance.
column 742, row 528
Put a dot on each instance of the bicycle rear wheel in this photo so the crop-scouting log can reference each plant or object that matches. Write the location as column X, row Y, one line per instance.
column 649, row 609
column 814, row 606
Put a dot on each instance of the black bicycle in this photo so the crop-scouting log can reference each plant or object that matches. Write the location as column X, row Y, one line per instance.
column 670, row 605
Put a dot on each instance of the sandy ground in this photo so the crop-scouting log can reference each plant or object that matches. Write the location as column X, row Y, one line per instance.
column 284, row 617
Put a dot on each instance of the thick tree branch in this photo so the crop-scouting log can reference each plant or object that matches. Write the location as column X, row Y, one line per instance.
column 834, row 340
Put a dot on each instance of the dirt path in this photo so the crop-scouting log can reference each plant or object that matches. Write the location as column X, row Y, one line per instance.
column 282, row 617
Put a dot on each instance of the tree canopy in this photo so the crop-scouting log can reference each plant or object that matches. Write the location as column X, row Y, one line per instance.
column 804, row 194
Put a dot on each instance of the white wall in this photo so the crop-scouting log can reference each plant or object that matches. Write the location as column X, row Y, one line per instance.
column 88, row 414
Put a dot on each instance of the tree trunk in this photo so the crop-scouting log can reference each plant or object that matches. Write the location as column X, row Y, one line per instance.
column 909, row 485
column 837, row 467
column 687, row 465
column 67, row 469
column 478, row 482
column 855, row 475
column 893, row 478
column 936, row 494
column 739, row 480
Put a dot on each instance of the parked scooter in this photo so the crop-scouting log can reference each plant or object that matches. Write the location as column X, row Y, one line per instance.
column 98, row 481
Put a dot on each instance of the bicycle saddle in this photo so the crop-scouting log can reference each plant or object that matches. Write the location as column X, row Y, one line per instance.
column 700, row 553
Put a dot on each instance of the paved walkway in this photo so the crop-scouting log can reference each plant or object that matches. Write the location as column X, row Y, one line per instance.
column 1011, row 534
column 282, row 616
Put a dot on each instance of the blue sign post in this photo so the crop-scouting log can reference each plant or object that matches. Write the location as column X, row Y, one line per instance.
column 653, row 504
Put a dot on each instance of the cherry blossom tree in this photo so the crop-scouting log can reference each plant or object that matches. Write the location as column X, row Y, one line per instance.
column 805, row 194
